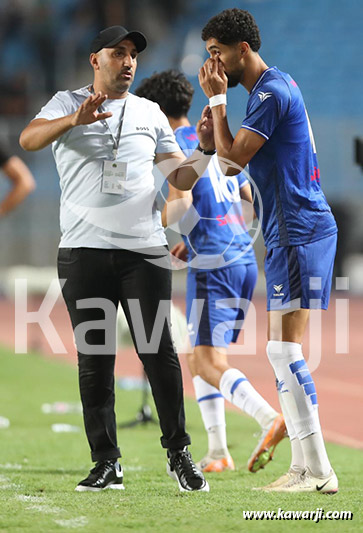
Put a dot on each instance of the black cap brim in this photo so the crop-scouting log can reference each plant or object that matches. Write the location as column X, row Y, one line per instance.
column 135, row 36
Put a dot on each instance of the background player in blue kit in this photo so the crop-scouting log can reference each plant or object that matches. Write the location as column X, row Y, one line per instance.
column 222, row 265
column 299, row 229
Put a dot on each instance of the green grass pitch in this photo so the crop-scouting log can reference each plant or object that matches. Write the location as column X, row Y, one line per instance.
column 39, row 469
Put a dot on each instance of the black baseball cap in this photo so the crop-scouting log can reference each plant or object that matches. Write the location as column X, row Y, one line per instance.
column 114, row 34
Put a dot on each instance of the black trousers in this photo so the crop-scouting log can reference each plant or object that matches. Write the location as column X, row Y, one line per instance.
column 129, row 278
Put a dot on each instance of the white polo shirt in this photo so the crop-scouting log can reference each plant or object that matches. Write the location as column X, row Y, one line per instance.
column 89, row 217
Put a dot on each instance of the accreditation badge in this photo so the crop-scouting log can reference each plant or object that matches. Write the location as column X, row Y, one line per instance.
column 114, row 174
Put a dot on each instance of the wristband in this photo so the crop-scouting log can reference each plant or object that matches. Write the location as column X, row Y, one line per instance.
column 218, row 99
column 205, row 152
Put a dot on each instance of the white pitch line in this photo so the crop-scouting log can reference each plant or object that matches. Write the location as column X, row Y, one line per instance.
column 133, row 468
column 38, row 503
column 32, row 499
column 44, row 509
column 5, row 483
column 73, row 523
column 11, row 466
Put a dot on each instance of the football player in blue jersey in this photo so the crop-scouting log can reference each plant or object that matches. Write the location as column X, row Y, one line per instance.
column 299, row 229
column 222, row 267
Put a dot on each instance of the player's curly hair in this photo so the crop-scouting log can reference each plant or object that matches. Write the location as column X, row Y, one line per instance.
column 233, row 26
column 170, row 89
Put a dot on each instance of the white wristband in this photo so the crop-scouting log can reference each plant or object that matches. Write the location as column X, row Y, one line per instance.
column 218, row 99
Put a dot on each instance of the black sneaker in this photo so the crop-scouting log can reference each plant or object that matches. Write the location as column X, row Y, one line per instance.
column 181, row 468
column 105, row 475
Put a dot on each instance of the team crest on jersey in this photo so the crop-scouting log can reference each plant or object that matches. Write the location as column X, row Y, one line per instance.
column 263, row 96
column 278, row 289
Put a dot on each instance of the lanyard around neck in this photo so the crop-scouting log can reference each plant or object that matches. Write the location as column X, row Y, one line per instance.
column 115, row 140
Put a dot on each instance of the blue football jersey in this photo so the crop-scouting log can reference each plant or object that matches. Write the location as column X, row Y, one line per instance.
column 285, row 170
column 219, row 237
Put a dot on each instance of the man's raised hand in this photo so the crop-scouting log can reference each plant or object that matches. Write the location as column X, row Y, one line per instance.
column 212, row 78
column 87, row 113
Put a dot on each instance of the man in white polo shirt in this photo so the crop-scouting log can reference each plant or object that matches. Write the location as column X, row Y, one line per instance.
column 105, row 142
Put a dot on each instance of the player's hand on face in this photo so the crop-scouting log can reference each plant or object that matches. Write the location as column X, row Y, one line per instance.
column 87, row 113
column 205, row 130
column 212, row 78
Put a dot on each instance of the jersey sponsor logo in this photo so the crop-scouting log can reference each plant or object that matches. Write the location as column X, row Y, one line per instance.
column 142, row 128
column 223, row 220
column 316, row 175
column 278, row 289
column 263, row 96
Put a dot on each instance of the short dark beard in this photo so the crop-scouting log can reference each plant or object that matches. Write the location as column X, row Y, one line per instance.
column 233, row 80
column 116, row 85
column 122, row 88
column 119, row 86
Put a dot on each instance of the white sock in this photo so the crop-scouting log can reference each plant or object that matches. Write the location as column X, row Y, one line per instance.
column 299, row 401
column 295, row 385
column 217, row 442
column 236, row 388
column 211, row 405
column 297, row 456
column 316, row 458
column 288, row 422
